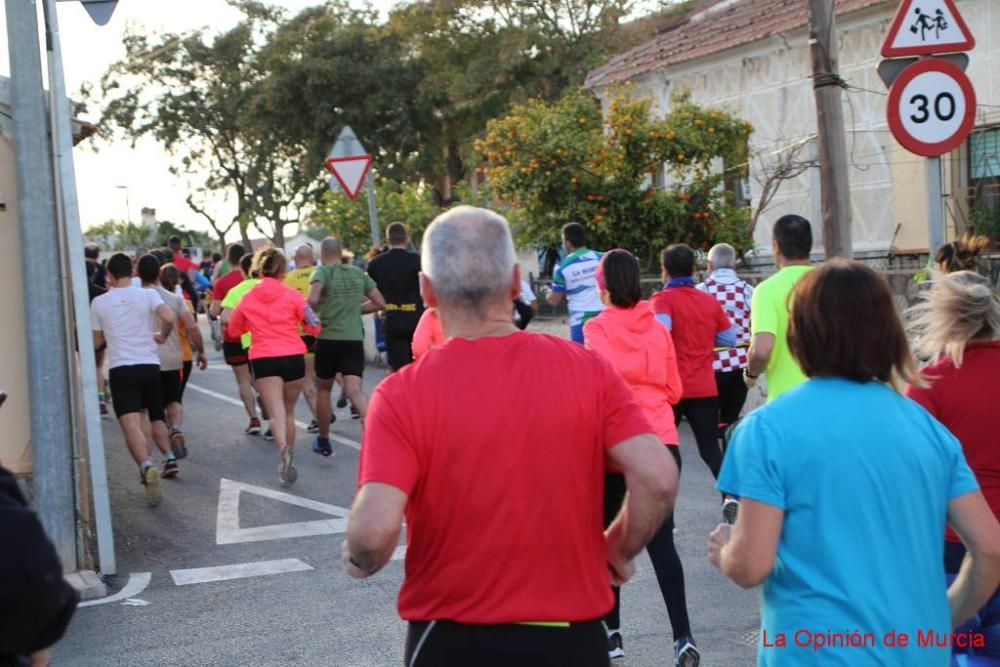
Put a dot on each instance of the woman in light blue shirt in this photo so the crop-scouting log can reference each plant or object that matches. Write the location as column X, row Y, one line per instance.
column 846, row 487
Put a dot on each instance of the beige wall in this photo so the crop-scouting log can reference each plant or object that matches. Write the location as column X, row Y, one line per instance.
column 15, row 436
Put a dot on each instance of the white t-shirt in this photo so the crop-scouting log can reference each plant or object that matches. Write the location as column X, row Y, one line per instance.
column 527, row 295
column 127, row 316
column 171, row 353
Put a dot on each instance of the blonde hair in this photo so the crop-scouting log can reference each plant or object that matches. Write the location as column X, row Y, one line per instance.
column 958, row 308
column 268, row 262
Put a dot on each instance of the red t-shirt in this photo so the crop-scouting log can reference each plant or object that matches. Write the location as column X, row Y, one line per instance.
column 183, row 263
column 695, row 319
column 500, row 444
column 219, row 292
column 965, row 401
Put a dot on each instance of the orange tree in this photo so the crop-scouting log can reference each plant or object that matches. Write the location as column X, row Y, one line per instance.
column 561, row 162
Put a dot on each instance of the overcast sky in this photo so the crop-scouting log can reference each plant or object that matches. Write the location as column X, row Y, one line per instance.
column 88, row 50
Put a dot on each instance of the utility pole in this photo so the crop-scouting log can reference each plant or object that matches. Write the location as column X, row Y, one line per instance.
column 48, row 376
column 832, row 145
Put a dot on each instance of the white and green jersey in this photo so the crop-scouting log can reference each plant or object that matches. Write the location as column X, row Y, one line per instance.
column 575, row 276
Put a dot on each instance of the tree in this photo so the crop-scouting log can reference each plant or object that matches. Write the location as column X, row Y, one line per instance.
column 560, row 162
column 120, row 235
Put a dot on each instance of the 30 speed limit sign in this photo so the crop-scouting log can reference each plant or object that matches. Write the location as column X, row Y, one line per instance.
column 932, row 107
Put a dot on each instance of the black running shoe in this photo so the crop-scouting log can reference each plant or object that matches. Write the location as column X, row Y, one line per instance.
column 354, row 413
column 170, row 469
column 686, row 653
column 313, row 427
column 342, row 402
column 615, row 647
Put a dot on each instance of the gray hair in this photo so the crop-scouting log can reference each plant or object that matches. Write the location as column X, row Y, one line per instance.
column 722, row 256
column 330, row 247
column 468, row 256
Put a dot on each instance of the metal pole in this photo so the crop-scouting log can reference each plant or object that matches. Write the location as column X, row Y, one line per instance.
column 68, row 207
column 48, row 376
column 832, row 144
column 373, row 211
column 935, row 205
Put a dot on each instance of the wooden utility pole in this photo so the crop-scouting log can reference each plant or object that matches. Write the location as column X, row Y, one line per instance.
column 834, row 177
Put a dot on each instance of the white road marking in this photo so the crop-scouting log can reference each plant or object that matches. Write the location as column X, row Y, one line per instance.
column 202, row 575
column 239, row 403
column 399, row 553
column 137, row 583
column 227, row 524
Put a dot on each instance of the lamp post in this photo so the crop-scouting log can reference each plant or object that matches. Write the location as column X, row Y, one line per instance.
column 128, row 209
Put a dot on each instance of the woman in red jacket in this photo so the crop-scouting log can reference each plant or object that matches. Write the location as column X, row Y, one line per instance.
column 272, row 313
column 639, row 346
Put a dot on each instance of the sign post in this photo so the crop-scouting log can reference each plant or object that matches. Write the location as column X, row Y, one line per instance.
column 351, row 165
column 932, row 103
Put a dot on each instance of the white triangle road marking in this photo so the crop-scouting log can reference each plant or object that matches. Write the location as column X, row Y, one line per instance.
column 227, row 526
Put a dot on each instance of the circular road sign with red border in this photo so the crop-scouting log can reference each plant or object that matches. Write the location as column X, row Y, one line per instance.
column 932, row 107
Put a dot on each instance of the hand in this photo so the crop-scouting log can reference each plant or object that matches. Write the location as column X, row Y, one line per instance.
column 620, row 567
column 41, row 658
column 349, row 567
column 750, row 382
column 716, row 541
column 202, row 361
column 159, row 338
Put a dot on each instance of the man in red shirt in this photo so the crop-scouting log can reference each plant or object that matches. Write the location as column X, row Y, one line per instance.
column 698, row 324
column 503, row 498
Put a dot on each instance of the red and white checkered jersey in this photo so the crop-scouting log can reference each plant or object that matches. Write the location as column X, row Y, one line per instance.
column 734, row 295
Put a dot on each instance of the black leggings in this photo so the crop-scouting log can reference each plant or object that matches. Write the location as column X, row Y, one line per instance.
column 450, row 644
column 732, row 396
column 703, row 416
column 663, row 553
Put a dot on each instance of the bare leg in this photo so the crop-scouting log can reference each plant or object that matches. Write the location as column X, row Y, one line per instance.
column 135, row 439
column 175, row 415
column 291, row 396
column 309, row 384
column 272, row 394
column 100, row 374
column 242, row 373
column 352, row 388
column 324, row 409
column 161, row 436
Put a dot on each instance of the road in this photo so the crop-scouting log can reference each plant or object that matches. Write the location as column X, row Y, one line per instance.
column 244, row 572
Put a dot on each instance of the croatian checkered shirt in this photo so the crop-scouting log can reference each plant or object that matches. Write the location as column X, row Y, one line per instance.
column 734, row 295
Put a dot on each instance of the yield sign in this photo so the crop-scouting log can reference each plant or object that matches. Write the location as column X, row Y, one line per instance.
column 927, row 27
column 350, row 172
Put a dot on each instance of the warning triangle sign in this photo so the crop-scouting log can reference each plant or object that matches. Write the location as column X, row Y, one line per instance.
column 227, row 524
column 927, row 27
column 350, row 172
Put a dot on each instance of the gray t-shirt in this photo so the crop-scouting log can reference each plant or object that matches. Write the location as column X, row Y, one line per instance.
column 171, row 353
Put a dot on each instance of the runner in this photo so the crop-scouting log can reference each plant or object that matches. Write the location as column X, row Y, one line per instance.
column 94, row 290
column 335, row 294
column 397, row 275
column 697, row 324
column 429, row 333
column 769, row 351
column 628, row 335
column 506, row 562
column 573, row 279
column 525, row 306
column 845, row 487
column 273, row 313
column 232, row 348
column 957, row 328
column 298, row 279
column 190, row 340
column 134, row 321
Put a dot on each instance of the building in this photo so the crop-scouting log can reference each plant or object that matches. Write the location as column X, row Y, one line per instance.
column 751, row 57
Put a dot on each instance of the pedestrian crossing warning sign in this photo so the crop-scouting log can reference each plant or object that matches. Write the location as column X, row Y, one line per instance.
column 927, row 27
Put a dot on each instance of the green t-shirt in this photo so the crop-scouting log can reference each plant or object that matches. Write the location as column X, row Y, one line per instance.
column 232, row 300
column 339, row 310
column 769, row 314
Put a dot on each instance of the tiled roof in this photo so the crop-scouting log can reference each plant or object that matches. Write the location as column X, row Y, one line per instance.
column 712, row 26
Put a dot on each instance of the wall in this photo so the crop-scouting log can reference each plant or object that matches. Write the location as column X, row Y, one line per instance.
column 15, row 453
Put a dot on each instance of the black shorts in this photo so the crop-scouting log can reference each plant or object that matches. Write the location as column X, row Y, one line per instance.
column 310, row 343
column 339, row 356
column 186, row 375
column 234, row 354
column 137, row 388
column 170, row 385
column 289, row 369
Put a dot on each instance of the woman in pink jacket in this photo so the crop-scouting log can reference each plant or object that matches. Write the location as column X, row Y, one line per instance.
column 272, row 313
column 639, row 346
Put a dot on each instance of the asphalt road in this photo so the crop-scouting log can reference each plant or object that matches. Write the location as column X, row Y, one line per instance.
column 299, row 608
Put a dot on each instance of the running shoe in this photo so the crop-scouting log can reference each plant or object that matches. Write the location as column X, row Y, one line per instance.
column 151, row 480
column 287, row 474
column 342, row 402
column 104, row 407
column 730, row 508
column 170, row 468
column 267, row 434
column 177, row 444
column 615, row 647
column 253, row 428
column 354, row 413
column 313, row 427
column 686, row 653
column 322, row 446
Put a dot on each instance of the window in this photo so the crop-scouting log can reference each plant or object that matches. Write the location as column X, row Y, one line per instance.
column 984, row 181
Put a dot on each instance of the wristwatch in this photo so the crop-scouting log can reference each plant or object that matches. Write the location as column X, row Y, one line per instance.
column 746, row 372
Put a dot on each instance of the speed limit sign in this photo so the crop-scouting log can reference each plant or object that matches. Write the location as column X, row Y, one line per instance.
column 932, row 107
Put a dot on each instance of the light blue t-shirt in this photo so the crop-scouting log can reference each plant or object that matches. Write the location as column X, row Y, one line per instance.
column 864, row 476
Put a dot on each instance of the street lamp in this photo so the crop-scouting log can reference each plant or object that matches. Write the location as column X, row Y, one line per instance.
column 128, row 209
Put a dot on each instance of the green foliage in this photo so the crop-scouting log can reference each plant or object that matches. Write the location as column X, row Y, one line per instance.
column 121, row 235
column 985, row 222
column 562, row 162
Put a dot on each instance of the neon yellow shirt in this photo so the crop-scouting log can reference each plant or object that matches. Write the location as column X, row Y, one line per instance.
column 299, row 279
column 769, row 314
column 233, row 298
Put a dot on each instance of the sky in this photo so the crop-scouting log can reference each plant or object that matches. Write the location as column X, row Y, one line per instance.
column 115, row 180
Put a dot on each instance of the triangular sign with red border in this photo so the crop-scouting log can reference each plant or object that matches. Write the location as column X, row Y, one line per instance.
column 350, row 172
column 927, row 27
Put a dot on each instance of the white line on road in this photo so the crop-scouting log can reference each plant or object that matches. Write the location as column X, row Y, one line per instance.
column 202, row 575
column 136, row 584
column 239, row 403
